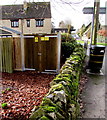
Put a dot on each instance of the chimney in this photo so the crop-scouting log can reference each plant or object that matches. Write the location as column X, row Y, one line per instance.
column 25, row 5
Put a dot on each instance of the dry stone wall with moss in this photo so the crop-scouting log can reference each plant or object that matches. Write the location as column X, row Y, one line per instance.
column 61, row 102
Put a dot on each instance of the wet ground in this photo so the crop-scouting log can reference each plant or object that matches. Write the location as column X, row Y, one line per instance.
column 94, row 97
column 94, row 94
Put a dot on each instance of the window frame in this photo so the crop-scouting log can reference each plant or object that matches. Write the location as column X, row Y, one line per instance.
column 39, row 22
column 14, row 23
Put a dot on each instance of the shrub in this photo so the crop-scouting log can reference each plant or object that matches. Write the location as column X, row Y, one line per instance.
column 67, row 46
column 67, row 38
column 66, row 50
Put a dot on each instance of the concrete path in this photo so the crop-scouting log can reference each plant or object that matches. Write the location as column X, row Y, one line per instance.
column 94, row 94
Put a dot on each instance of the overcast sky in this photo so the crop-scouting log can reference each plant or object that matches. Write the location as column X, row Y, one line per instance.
column 63, row 10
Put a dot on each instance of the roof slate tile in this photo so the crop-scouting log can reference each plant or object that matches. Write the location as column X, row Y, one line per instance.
column 34, row 10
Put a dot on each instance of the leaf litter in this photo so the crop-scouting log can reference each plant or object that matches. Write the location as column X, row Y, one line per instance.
column 21, row 91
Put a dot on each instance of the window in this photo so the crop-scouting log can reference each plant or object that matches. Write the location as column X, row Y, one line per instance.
column 39, row 22
column 14, row 23
column 28, row 23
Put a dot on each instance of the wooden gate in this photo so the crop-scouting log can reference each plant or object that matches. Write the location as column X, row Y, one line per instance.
column 42, row 52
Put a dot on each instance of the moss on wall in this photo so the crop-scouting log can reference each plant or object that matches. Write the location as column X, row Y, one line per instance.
column 61, row 102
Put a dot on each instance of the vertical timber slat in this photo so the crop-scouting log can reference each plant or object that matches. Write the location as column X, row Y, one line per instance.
column 6, row 55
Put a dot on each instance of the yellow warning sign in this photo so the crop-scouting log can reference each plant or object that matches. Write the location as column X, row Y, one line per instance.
column 36, row 39
column 42, row 38
column 46, row 38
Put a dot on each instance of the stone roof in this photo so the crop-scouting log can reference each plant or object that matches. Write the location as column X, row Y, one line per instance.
column 34, row 10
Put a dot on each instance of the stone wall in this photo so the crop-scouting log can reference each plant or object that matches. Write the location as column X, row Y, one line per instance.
column 61, row 102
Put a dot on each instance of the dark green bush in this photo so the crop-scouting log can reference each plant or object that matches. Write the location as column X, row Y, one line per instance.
column 67, row 38
column 66, row 50
column 67, row 46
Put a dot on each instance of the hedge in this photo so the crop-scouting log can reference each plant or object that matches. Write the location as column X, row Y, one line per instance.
column 66, row 50
column 65, row 37
column 61, row 102
column 68, row 44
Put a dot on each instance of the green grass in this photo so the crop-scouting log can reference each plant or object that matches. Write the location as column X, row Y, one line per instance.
column 105, row 44
column 82, row 42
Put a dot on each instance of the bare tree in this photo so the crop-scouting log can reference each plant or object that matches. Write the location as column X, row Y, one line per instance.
column 62, row 24
column 66, row 24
